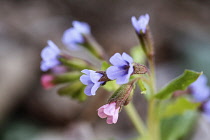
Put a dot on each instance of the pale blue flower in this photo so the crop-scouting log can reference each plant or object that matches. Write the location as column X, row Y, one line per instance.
column 91, row 79
column 122, row 68
column 49, row 56
column 140, row 25
column 73, row 37
column 206, row 110
column 199, row 89
column 81, row 27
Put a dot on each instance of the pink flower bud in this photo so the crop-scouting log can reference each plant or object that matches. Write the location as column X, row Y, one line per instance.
column 110, row 112
column 47, row 81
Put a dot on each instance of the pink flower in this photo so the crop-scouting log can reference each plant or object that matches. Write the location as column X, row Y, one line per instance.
column 110, row 112
column 47, row 81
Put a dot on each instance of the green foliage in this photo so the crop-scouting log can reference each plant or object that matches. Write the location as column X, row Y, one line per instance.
column 67, row 77
column 74, row 90
column 75, row 63
column 176, row 127
column 138, row 54
column 177, row 107
column 111, row 86
column 180, row 83
column 142, row 87
column 104, row 65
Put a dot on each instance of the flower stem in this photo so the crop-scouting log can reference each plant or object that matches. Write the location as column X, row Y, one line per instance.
column 135, row 118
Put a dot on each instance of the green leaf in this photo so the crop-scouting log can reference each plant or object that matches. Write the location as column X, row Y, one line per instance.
column 75, row 90
column 67, row 77
column 138, row 55
column 142, row 87
column 104, row 65
column 180, row 83
column 178, row 107
column 177, row 127
column 111, row 86
column 75, row 63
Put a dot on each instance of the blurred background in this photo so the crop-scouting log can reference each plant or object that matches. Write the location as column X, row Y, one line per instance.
column 181, row 31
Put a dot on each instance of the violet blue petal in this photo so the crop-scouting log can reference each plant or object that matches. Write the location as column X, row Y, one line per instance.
column 199, row 89
column 85, row 79
column 206, row 107
column 117, row 60
column 114, row 72
column 95, row 77
column 81, row 27
column 134, row 22
column 127, row 58
column 95, row 87
column 88, row 89
column 86, row 71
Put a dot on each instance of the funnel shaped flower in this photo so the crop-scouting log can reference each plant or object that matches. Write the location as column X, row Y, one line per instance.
column 140, row 25
column 73, row 37
column 110, row 112
column 199, row 89
column 47, row 81
column 122, row 68
column 91, row 79
column 49, row 56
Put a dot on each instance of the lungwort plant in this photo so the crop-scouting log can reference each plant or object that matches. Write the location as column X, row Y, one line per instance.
column 171, row 111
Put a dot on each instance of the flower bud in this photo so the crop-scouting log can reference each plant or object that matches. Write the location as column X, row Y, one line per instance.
column 47, row 81
column 139, row 69
column 73, row 90
column 74, row 63
column 66, row 77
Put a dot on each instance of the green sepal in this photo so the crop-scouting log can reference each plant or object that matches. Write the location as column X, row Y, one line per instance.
column 67, row 77
column 142, row 87
column 138, row 55
column 180, row 83
column 122, row 95
column 177, row 107
column 75, row 90
column 75, row 63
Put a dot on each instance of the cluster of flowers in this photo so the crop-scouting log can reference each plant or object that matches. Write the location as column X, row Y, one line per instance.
column 200, row 92
column 123, row 66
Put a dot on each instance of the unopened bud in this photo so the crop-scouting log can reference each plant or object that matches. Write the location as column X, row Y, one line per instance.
column 139, row 69
column 73, row 90
column 66, row 77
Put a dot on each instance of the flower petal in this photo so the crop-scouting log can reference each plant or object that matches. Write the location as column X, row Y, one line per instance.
column 127, row 57
column 117, row 60
column 86, row 71
column 109, row 120
column 95, row 87
column 123, row 79
column 101, row 113
column 85, row 79
column 135, row 23
column 110, row 109
column 87, row 90
column 81, row 27
column 95, row 76
column 115, row 116
column 114, row 72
